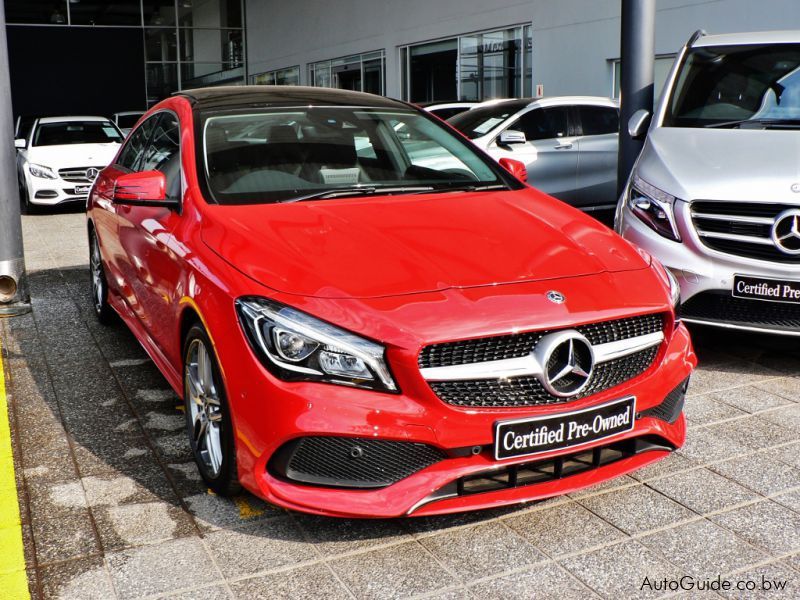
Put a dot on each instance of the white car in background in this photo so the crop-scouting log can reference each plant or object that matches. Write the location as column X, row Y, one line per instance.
column 568, row 143
column 126, row 120
column 446, row 110
column 61, row 156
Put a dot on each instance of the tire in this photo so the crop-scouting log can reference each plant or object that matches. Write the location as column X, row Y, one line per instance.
column 26, row 206
column 99, row 283
column 208, row 419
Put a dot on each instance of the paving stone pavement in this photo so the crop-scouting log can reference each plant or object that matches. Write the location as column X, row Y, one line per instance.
column 112, row 506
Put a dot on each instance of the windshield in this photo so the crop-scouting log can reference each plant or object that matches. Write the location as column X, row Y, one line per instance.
column 76, row 132
column 480, row 121
column 726, row 86
column 299, row 153
column 128, row 121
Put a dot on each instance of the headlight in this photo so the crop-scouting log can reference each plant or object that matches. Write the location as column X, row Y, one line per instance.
column 654, row 207
column 42, row 171
column 674, row 289
column 295, row 346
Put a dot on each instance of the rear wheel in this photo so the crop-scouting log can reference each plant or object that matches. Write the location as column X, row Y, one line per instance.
column 102, row 309
column 208, row 420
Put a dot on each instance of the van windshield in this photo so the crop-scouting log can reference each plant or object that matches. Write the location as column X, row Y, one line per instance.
column 737, row 86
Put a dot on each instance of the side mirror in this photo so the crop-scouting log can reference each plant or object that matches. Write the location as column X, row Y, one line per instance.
column 146, row 188
column 639, row 123
column 515, row 167
column 20, row 143
column 511, row 136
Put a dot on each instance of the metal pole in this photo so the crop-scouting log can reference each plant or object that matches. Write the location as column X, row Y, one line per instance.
column 14, row 298
column 637, row 41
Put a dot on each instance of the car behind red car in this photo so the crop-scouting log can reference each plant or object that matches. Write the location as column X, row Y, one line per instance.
column 367, row 316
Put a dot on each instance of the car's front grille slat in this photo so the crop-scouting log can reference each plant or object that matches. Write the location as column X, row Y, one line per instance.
column 720, row 306
column 76, row 174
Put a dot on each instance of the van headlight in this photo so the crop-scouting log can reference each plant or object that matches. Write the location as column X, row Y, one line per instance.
column 41, row 171
column 674, row 289
column 295, row 346
column 653, row 207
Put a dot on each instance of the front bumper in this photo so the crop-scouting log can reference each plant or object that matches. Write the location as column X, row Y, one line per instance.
column 310, row 409
column 706, row 277
column 51, row 192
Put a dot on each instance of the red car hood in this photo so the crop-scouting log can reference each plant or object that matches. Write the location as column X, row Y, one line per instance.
column 393, row 245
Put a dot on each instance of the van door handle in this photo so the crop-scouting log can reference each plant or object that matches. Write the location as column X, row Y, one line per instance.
column 567, row 146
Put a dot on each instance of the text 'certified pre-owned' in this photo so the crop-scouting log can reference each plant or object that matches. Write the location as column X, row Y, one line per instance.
column 523, row 437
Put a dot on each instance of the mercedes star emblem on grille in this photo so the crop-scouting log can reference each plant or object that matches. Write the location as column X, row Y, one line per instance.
column 92, row 173
column 555, row 297
column 786, row 231
column 567, row 360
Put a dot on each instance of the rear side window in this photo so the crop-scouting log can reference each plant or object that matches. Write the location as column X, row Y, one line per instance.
column 543, row 123
column 134, row 147
column 598, row 120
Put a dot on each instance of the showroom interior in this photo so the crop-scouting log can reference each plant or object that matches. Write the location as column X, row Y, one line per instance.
column 272, row 343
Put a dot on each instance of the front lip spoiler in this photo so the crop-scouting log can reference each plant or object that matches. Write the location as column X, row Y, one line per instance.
column 736, row 326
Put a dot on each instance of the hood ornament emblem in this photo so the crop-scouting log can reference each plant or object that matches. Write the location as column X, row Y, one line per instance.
column 568, row 361
column 796, row 188
column 786, row 231
column 555, row 297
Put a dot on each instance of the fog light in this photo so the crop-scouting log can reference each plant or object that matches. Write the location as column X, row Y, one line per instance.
column 8, row 288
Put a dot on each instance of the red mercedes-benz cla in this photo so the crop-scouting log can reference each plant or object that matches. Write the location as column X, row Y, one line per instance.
column 367, row 316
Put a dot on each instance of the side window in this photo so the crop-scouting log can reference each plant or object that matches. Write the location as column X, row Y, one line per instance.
column 543, row 123
column 163, row 153
column 598, row 120
column 134, row 146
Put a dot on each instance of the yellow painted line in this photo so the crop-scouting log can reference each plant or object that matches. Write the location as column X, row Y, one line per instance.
column 13, row 580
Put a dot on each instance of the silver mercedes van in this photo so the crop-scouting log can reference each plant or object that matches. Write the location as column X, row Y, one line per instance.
column 715, row 193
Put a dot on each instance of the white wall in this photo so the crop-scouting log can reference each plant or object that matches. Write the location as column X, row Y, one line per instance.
column 573, row 40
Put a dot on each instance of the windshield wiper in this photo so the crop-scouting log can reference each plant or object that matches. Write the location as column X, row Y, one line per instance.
column 471, row 188
column 361, row 190
column 757, row 123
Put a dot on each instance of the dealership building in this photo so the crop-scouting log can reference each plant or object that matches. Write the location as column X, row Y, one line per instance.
column 131, row 53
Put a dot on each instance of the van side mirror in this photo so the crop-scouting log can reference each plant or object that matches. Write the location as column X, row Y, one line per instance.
column 639, row 123
column 511, row 136
column 515, row 167
column 20, row 143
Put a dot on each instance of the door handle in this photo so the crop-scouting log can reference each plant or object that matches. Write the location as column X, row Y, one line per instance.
column 567, row 146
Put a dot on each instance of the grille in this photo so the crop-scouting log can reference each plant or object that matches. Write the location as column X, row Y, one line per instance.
column 542, row 471
column 352, row 462
column 528, row 391
column 740, row 228
column 670, row 408
column 720, row 306
column 76, row 174
column 521, row 344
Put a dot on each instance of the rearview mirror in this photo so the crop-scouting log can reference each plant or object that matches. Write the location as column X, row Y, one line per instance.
column 19, row 143
column 146, row 188
column 639, row 123
column 511, row 136
column 515, row 167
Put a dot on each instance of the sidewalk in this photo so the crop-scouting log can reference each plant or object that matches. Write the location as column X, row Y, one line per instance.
column 112, row 506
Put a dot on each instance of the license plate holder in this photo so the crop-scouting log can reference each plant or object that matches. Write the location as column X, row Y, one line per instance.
column 766, row 289
column 82, row 190
column 564, row 430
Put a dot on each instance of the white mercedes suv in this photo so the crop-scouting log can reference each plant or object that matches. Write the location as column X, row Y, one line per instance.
column 60, row 157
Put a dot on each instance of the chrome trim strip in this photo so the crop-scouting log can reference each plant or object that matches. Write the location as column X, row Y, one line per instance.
column 735, row 218
column 529, row 365
column 740, row 327
column 736, row 237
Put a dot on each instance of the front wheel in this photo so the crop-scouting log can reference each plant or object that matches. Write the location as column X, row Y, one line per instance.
column 208, row 419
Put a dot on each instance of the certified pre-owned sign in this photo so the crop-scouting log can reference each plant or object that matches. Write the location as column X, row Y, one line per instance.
column 523, row 437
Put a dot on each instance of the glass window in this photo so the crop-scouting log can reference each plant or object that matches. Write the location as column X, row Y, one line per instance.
column 135, row 144
column 212, row 45
column 160, row 45
column 727, row 85
column 51, row 12
column 117, row 12
column 432, row 75
column 163, row 152
column 159, row 13
column 76, row 132
column 278, row 155
column 543, row 123
column 598, row 120
column 214, row 14
column 162, row 80
column 360, row 73
column 128, row 120
column 290, row 76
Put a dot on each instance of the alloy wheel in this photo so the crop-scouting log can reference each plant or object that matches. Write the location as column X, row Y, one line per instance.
column 204, row 406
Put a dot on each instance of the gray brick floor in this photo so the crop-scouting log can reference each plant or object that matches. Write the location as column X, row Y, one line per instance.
column 112, row 507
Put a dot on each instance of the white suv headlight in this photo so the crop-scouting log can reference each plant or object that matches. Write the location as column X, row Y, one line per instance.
column 295, row 346
column 41, row 171
column 654, row 207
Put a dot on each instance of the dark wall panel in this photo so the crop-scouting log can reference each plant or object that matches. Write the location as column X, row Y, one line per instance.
column 76, row 70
